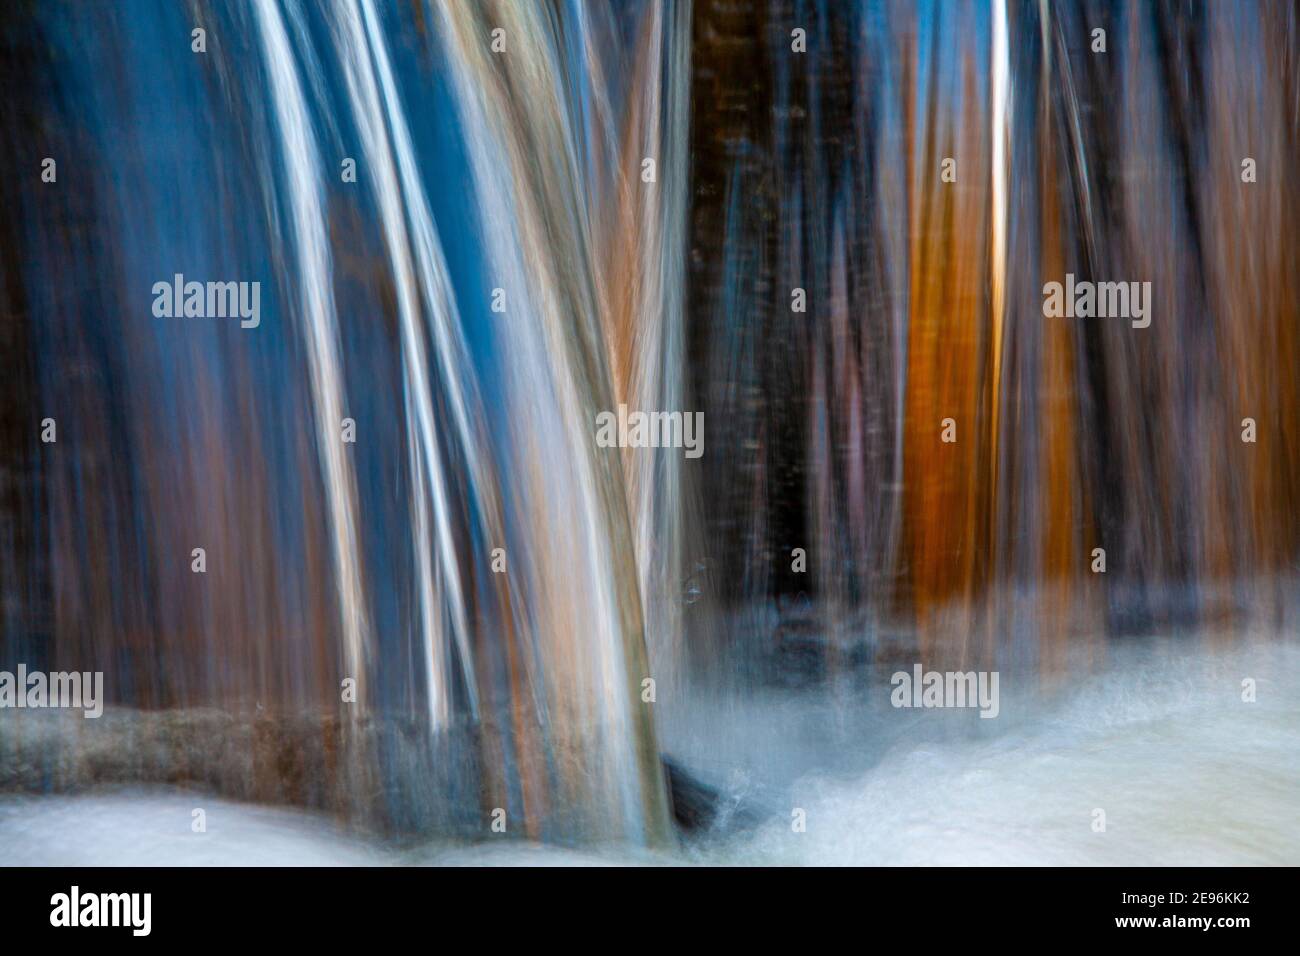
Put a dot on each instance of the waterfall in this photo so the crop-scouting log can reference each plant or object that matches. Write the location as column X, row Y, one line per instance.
column 375, row 551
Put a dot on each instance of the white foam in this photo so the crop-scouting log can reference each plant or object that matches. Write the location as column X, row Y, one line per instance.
column 1185, row 770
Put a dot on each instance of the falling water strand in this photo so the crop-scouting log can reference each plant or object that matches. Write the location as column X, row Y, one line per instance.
column 416, row 270
column 303, row 178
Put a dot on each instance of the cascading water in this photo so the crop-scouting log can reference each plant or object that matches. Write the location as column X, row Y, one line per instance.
column 364, row 552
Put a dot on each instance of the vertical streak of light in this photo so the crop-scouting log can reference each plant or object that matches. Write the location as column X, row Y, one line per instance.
column 303, row 177
column 536, row 206
column 1000, row 172
column 416, row 255
column 450, row 350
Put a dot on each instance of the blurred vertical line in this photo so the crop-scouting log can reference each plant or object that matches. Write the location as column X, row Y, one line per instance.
column 1000, row 140
column 316, row 313
column 26, row 601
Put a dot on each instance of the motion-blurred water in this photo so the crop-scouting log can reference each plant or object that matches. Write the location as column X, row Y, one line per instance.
column 368, row 556
column 1186, row 772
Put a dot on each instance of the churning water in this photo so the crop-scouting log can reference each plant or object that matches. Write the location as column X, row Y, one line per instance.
column 1185, row 770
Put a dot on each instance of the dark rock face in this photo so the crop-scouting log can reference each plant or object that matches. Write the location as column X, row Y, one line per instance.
column 694, row 805
column 700, row 810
